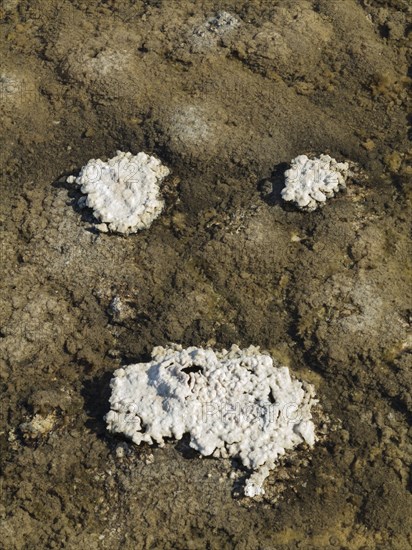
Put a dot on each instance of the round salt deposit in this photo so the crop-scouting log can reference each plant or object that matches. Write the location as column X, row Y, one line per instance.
column 123, row 192
column 310, row 182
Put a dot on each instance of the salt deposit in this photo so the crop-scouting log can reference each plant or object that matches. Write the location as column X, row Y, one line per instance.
column 232, row 403
column 123, row 192
column 206, row 36
column 310, row 182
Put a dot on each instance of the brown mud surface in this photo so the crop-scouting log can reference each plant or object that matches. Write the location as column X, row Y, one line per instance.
column 224, row 92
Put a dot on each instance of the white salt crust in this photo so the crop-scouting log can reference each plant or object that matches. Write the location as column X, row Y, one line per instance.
column 232, row 403
column 309, row 183
column 123, row 192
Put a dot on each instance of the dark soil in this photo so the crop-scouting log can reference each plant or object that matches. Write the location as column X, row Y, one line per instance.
column 225, row 103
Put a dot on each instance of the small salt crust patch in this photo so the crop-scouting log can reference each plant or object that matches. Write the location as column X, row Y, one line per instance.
column 234, row 403
column 309, row 183
column 123, row 192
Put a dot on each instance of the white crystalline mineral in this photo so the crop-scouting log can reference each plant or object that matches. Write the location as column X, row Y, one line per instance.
column 123, row 192
column 222, row 22
column 310, row 182
column 232, row 403
column 207, row 35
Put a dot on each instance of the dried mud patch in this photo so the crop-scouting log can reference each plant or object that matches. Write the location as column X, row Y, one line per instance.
column 224, row 93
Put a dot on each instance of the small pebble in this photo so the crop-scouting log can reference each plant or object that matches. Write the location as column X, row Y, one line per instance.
column 369, row 145
column 102, row 227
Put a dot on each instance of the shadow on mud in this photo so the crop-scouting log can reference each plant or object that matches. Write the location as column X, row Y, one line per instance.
column 96, row 393
column 75, row 196
column 270, row 188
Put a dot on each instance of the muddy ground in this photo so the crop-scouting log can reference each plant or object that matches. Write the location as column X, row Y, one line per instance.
column 225, row 93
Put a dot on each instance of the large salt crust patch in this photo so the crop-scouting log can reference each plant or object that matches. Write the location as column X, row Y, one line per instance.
column 123, row 192
column 308, row 183
column 232, row 403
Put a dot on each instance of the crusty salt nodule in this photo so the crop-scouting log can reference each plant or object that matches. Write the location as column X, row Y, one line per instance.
column 234, row 403
column 310, row 182
column 123, row 192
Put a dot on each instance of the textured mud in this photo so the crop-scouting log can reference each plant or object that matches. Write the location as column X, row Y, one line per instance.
column 225, row 93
